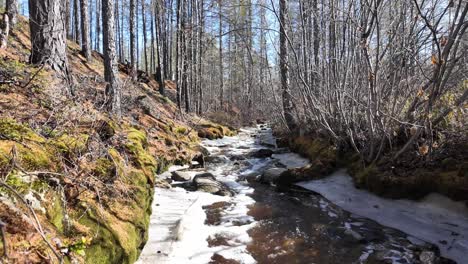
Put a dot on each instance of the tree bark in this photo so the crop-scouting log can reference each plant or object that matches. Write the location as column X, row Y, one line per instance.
column 48, row 36
column 11, row 8
column 111, row 76
column 9, row 21
column 288, row 106
column 85, row 45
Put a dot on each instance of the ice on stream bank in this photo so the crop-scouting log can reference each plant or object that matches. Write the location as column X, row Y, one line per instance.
column 178, row 231
column 435, row 219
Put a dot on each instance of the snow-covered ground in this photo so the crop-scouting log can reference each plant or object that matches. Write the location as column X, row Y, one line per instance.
column 435, row 219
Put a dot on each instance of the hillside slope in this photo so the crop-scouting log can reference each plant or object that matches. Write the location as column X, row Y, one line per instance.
column 74, row 183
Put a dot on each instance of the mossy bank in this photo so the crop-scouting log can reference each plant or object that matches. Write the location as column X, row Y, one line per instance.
column 411, row 176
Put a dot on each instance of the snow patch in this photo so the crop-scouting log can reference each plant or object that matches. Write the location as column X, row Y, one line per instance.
column 435, row 219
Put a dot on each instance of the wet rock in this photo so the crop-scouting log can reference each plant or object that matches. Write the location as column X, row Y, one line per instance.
column 427, row 257
column 272, row 175
column 206, row 182
column 268, row 145
column 262, row 153
column 243, row 147
column 237, row 157
column 198, row 161
column 252, row 177
column 203, row 150
column 314, row 171
column 181, row 176
column 162, row 183
column 216, row 159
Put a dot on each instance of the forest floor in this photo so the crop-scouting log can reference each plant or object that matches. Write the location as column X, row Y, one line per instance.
column 75, row 183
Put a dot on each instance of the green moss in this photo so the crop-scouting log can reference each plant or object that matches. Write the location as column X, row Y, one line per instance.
column 104, row 247
column 12, row 130
column 15, row 182
column 104, row 168
column 55, row 213
column 116, row 242
column 72, row 144
column 136, row 145
column 181, row 130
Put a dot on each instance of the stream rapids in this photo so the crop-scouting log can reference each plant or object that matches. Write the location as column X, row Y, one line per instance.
column 260, row 224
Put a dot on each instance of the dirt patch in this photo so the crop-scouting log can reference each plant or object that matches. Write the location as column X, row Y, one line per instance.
column 218, row 259
column 217, row 240
column 213, row 212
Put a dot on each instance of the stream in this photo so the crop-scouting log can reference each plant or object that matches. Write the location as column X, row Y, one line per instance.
column 324, row 221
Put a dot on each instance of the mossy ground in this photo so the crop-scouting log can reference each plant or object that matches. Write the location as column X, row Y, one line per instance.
column 90, row 177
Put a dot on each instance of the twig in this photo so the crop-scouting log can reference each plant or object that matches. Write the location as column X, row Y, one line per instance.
column 38, row 226
column 5, row 245
column 34, row 76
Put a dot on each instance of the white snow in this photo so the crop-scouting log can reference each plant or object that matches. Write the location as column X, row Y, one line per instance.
column 435, row 219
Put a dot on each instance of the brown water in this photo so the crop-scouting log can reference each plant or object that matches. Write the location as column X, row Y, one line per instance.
column 299, row 226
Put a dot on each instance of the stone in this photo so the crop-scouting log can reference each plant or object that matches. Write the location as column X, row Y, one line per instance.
column 355, row 235
column 216, row 159
column 271, row 175
column 427, row 257
column 206, row 182
column 262, row 153
column 181, row 176
column 199, row 160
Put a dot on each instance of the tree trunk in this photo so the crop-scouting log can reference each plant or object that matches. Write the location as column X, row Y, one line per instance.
column 98, row 26
column 85, row 45
column 76, row 14
column 110, row 58
column 160, row 66
column 11, row 8
column 67, row 19
column 221, row 70
column 288, row 106
column 48, row 36
column 145, row 36
column 133, row 66
column 9, row 21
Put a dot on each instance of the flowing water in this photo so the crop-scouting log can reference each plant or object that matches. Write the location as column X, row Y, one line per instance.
column 261, row 224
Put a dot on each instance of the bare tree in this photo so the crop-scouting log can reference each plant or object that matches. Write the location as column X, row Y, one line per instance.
column 284, row 67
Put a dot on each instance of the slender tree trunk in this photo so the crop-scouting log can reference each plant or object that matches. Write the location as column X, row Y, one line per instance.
column 133, row 66
column 76, row 12
column 111, row 76
column 8, row 22
column 98, row 26
column 160, row 66
column 145, row 36
column 178, row 53
column 68, row 19
column 11, row 8
column 288, row 106
column 85, row 45
column 220, row 54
